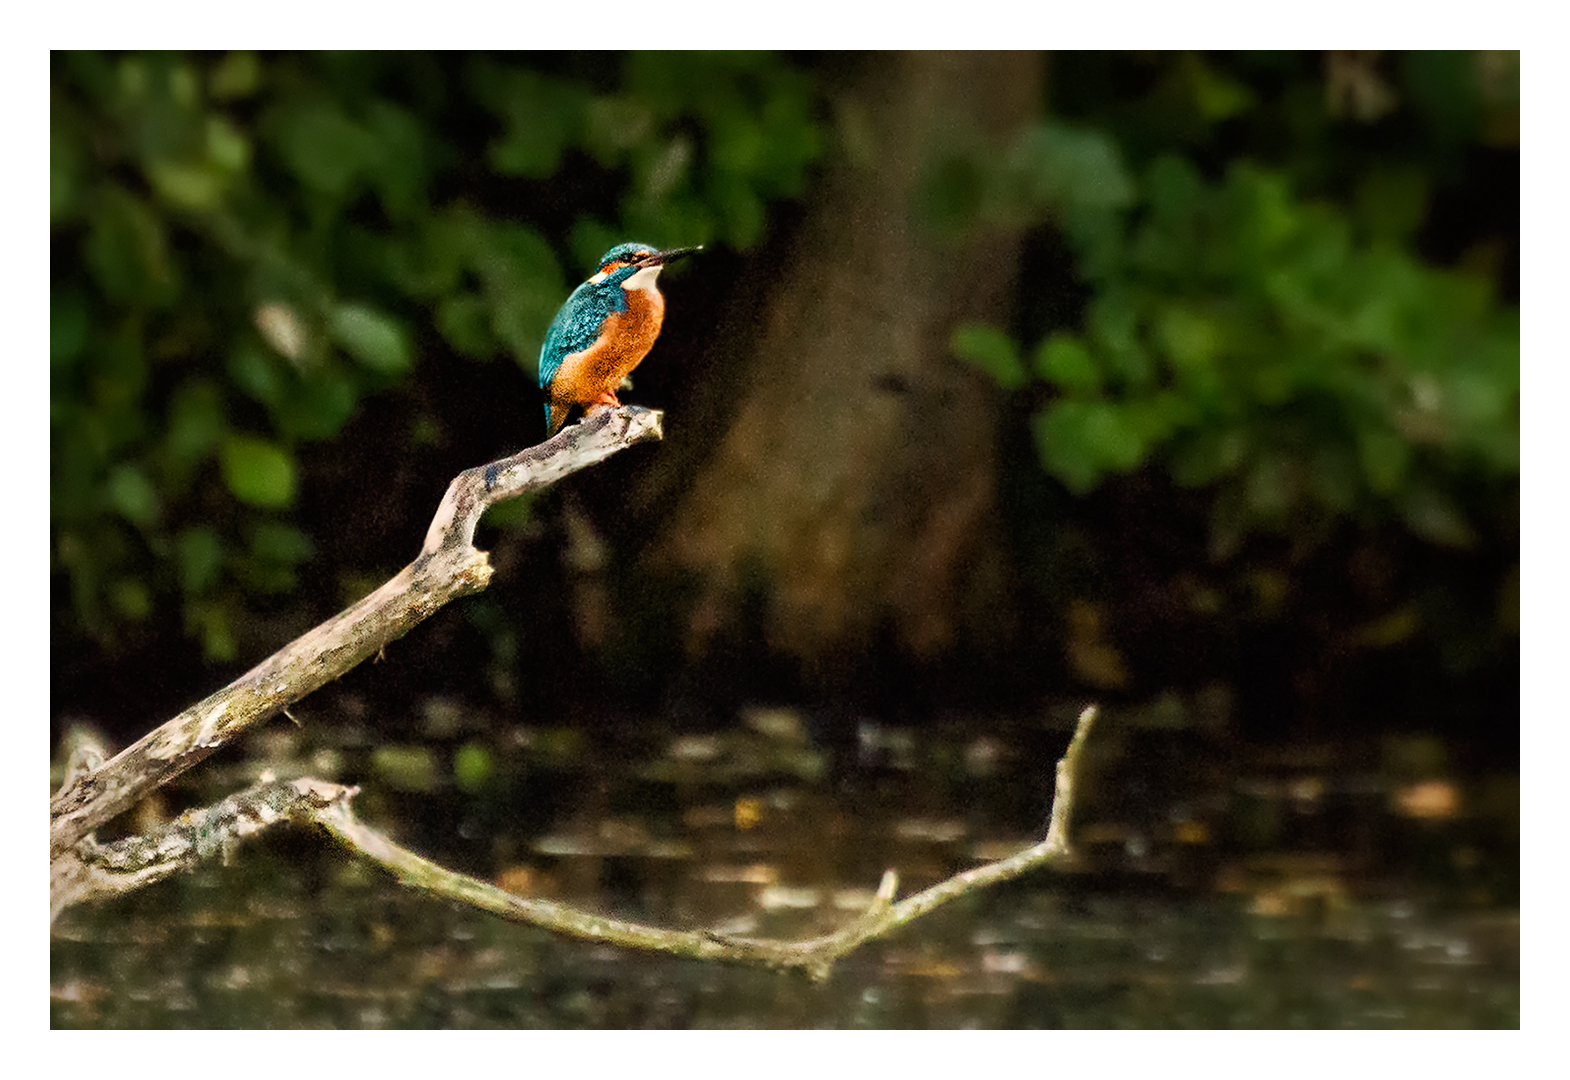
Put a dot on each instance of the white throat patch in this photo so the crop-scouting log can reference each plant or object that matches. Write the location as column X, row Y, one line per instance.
column 643, row 279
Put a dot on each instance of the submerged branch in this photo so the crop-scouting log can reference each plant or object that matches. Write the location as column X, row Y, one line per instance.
column 815, row 956
column 93, row 871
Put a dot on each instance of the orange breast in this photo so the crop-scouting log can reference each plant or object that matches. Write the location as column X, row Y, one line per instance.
column 622, row 345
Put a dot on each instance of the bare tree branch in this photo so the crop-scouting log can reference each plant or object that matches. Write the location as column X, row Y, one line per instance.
column 100, row 870
column 448, row 566
column 94, row 871
column 815, row 956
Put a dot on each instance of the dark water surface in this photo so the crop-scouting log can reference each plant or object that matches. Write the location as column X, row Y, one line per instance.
column 1309, row 887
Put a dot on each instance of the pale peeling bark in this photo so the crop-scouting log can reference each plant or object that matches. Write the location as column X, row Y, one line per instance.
column 448, row 567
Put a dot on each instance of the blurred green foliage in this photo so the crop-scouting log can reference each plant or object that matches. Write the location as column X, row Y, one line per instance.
column 1266, row 287
column 1291, row 354
column 246, row 247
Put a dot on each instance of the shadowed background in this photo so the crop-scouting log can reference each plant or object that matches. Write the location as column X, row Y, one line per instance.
column 1004, row 375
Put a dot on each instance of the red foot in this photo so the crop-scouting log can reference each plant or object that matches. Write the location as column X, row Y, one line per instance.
column 607, row 399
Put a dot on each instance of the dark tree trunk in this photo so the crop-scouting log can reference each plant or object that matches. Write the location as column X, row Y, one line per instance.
column 851, row 476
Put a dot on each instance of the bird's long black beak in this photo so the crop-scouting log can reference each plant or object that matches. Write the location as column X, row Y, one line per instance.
column 660, row 258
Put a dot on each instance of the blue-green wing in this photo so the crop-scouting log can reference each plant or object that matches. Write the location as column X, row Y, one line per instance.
column 577, row 324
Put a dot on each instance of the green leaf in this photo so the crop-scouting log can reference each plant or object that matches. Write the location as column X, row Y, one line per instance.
column 319, row 406
column 324, row 148
column 276, row 549
column 1063, row 449
column 127, row 250
column 473, row 767
column 277, row 542
column 523, row 285
column 431, row 263
column 196, row 420
column 237, row 75
column 1115, row 430
column 1065, row 362
column 1155, row 419
column 131, row 599
column 201, row 557
column 186, row 185
column 1175, row 190
column 540, row 116
column 1189, row 338
column 991, row 350
column 396, row 157
column 1115, row 326
column 737, row 144
column 257, row 372
column 133, row 495
column 227, row 146
column 1068, row 167
column 1217, row 96
column 1263, row 216
column 1080, row 441
column 257, row 472
column 374, row 339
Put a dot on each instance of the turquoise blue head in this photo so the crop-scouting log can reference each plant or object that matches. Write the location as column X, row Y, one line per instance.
column 624, row 260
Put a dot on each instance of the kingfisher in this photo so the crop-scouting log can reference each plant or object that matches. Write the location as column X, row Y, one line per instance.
column 603, row 331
